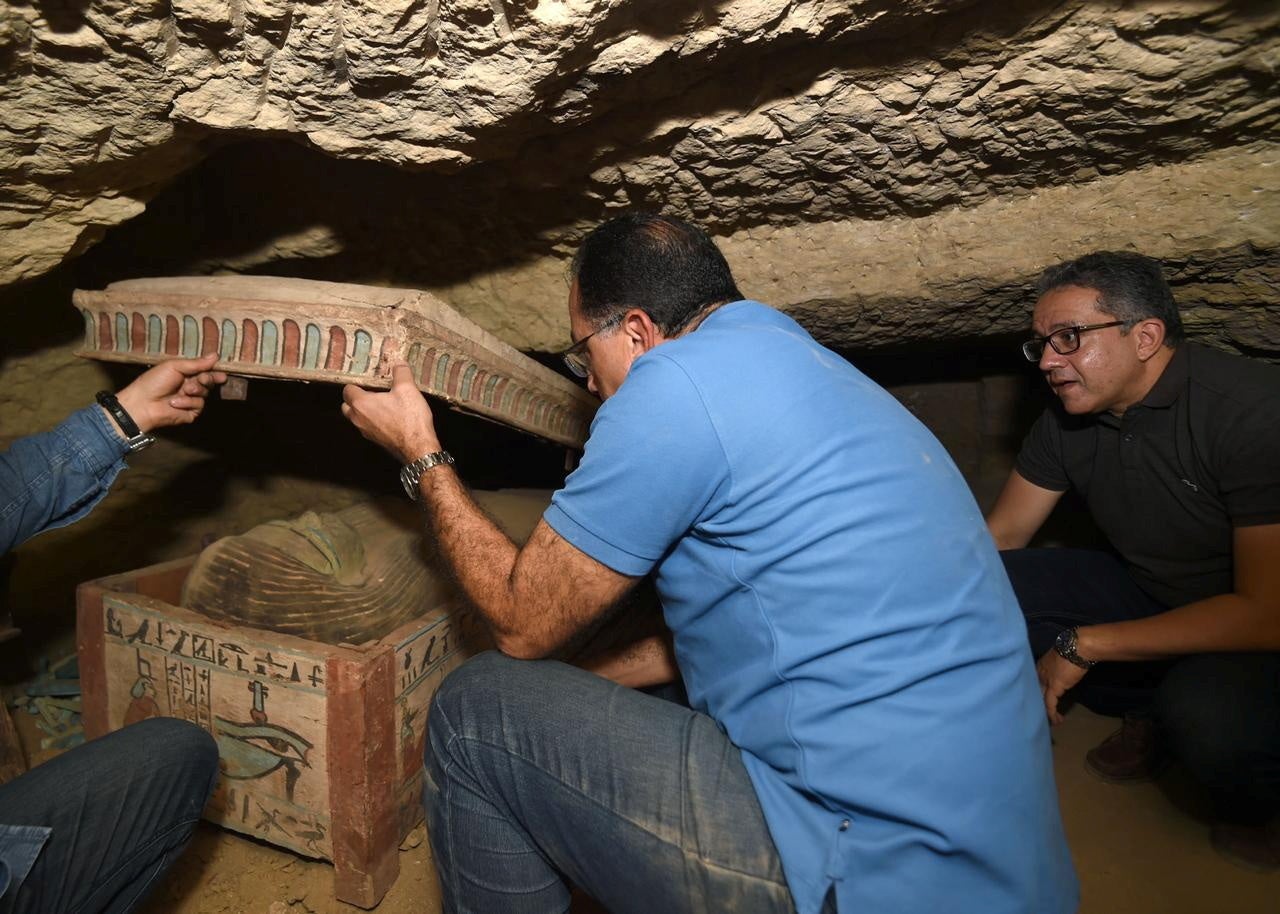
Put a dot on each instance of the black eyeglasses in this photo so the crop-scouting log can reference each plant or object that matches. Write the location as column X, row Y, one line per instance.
column 1064, row 341
column 576, row 358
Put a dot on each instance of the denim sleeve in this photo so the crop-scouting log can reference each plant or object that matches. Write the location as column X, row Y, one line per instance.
column 55, row 478
column 19, row 847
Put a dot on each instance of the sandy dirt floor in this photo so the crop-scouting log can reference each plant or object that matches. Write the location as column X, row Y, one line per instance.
column 1139, row 849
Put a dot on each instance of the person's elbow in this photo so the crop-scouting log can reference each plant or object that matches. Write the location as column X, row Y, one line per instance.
column 1006, row 539
column 524, row 645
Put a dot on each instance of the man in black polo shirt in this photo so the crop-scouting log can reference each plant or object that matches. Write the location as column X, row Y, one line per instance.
column 1175, row 449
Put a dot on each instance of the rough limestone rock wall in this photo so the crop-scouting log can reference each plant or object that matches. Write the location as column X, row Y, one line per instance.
column 893, row 173
column 754, row 117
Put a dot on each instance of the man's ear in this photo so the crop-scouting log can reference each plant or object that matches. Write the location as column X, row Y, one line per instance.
column 640, row 329
column 1149, row 336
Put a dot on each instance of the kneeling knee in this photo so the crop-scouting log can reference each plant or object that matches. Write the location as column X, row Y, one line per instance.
column 1203, row 723
column 467, row 690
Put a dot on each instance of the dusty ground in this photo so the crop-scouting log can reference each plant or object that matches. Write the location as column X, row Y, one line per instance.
column 224, row 873
column 1140, row 849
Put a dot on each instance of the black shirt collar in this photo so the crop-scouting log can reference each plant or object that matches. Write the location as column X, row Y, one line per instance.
column 1172, row 380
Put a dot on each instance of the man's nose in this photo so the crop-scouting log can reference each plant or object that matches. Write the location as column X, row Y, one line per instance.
column 1049, row 359
column 591, row 383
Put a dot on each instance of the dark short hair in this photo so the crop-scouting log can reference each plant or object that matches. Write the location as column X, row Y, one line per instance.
column 667, row 268
column 1130, row 287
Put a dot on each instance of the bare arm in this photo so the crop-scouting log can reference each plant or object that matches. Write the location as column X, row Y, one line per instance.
column 532, row 598
column 1247, row 619
column 648, row 662
column 1019, row 512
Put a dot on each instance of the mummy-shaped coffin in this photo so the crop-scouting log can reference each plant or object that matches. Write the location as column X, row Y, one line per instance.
column 300, row 329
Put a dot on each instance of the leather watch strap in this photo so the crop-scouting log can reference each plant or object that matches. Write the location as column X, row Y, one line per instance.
column 135, row 439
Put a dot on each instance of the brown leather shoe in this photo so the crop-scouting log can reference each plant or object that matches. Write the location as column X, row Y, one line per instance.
column 1130, row 755
column 1253, row 847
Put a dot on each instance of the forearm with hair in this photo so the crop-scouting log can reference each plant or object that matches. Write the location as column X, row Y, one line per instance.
column 533, row 598
column 478, row 554
column 638, row 664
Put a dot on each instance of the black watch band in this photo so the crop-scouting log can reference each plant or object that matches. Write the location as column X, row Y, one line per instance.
column 135, row 440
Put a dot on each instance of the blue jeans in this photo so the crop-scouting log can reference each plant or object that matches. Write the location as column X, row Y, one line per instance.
column 540, row 774
column 1219, row 714
column 120, row 809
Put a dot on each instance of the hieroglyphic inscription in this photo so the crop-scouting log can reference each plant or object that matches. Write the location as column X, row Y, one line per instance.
column 189, row 693
column 132, row 625
column 423, row 653
column 446, row 639
column 263, row 705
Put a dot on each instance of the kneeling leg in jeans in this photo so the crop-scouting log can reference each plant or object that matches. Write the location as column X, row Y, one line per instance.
column 120, row 809
column 539, row 772
column 1220, row 714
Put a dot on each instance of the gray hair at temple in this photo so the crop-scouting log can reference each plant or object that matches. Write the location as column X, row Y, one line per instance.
column 1130, row 287
column 667, row 268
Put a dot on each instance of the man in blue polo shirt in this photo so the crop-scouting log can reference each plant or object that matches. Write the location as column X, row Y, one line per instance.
column 866, row 732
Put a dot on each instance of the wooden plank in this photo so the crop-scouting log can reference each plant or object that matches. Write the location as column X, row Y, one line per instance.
column 362, row 770
column 300, row 329
column 92, row 657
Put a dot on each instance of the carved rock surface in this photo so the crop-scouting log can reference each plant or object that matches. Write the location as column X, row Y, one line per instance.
column 796, row 123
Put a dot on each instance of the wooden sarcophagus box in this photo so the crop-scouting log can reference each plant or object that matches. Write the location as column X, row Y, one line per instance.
column 309, row 649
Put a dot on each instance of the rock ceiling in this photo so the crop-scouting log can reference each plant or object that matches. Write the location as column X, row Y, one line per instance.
column 888, row 171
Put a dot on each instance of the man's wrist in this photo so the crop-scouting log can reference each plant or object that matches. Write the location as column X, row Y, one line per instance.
column 134, row 436
column 1067, row 646
column 1088, row 644
column 411, row 473
column 135, row 410
column 410, row 453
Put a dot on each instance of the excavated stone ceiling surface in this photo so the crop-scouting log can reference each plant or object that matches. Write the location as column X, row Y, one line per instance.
column 888, row 170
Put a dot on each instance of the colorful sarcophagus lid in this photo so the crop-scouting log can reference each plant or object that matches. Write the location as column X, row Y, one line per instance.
column 300, row 329
column 320, row 740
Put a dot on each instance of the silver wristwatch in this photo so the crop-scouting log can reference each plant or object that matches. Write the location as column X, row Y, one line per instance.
column 410, row 473
column 1065, row 645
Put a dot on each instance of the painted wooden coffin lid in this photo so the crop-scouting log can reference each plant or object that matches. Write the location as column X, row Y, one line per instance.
column 301, row 329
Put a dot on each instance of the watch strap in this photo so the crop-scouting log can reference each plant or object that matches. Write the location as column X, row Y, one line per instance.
column 412, row 472
column 135, row 438
column 1065, row 645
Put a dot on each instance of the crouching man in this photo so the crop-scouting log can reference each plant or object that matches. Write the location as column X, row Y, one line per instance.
column 865, row 733
column 1175, row 449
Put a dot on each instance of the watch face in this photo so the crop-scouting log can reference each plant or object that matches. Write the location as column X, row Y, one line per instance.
column 410, row 483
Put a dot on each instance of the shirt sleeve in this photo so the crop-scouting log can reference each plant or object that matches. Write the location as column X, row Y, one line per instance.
column 19, row 847
column 57, row 477
column 1249, row 483
column 1040, row 462
column 653, row 468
